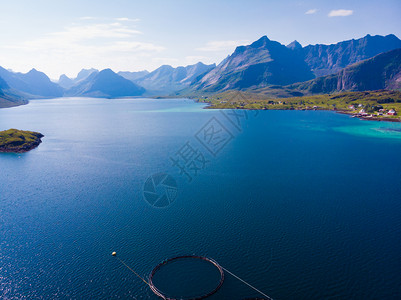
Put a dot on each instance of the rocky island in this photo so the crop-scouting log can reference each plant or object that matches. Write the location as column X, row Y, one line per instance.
column 19, row 141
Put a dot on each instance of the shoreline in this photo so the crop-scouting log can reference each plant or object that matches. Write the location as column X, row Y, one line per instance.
column 210, row 105
column 10, row 104
column 351, row 114
column 368, row 105
column 367, row 118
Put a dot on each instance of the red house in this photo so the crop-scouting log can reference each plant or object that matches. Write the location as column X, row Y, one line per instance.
column 392, row 112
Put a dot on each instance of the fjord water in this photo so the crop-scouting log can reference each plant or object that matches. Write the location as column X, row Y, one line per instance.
column 301, row 204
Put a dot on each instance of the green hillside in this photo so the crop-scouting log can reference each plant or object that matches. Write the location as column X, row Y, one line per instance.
column 370, row 101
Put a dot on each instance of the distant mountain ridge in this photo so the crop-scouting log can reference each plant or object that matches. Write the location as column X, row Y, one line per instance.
column 329, row 59
column 8, row 97
column 162, row 81
column 107, row 84
column 66, row 82
column 133, row 75
column 166, row 79
column 33, row 83
column 84, row 73
column 380, row 72
column 3, row 84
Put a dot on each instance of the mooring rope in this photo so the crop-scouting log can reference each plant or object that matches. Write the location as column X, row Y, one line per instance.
column 133, row 271
column 269, row 298
column 154, row 289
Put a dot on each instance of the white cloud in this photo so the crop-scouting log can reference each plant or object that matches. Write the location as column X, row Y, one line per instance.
column 105, row 30
column 215, row 46
column 99, row 45
column 340, row 13
column 127, row 20
column 311, row 11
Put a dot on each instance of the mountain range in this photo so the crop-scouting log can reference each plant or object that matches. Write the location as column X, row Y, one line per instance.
column 262, row 63
column 167, row 80
column 32, row 84
column 162, row 81
column 371, row 62
column 8, row 97
column 329, row 59
column 133, row 75
column 67, row 83
column 267, row 63
column 104, row 84
column 380, row 72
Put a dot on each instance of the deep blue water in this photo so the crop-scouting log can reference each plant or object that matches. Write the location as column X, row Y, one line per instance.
column 301, row 204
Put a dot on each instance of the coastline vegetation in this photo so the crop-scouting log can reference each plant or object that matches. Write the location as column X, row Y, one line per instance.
column 368, row 104
column 14, row 140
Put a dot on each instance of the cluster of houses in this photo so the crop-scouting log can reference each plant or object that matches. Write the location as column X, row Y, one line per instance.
column 380, row 112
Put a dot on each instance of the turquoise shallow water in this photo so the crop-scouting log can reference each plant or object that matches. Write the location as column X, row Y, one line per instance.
column 301, row 204
column 381, row 130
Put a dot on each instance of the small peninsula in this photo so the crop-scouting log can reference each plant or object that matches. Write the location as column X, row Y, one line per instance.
column 19, row 141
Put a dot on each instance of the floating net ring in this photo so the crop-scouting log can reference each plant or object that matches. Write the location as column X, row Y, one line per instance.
column 170, row 260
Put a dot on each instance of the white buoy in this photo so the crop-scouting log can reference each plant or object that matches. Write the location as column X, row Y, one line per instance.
column 114, row 253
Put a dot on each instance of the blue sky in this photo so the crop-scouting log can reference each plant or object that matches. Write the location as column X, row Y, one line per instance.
column 60, row 36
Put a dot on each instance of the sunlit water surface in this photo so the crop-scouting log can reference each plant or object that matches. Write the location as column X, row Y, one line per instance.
column 300, row 204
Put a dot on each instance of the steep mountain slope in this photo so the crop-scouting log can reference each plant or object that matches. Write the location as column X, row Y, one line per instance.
column 193, row 71
column 380, row 72
column 295, row 45
column 7, row 97
column 329, row 59
column 262, row 63
column 167, row 79
column 3, row 84
column 107, row 84
column 65, row 82
column 84, row 73
column 34, row 83
column 133, row 75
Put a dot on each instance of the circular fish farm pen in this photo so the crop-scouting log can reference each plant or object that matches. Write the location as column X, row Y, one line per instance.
column 196, row 265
